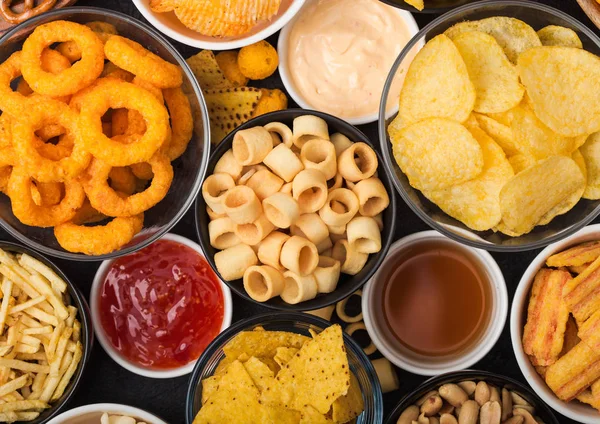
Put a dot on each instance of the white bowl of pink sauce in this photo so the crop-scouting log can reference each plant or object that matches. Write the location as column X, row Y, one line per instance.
column 156, row 310
column 168, row 24
column 335, row 56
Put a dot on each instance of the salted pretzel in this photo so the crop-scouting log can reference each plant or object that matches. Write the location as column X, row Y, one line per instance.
column 15, row 12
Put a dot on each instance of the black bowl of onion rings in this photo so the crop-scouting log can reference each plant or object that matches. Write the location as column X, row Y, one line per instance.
column 347, row 284
column 187, row 169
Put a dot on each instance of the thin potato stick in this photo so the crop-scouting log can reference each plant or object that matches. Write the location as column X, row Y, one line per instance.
column 24, row 366
column 76, row 331
column 61, row 348
column 22, row 405
column 8, row 417
column 4, row 350
column 52, row 382
column 27, row 416
column 36, row 386
column 32, row 341
column 54, row 340
column 24, row 348
column 39, row 356
column 22, row 306
column 59, row 308
column 13, row 385
column 18, row 280
column 30, row 322
column 47, row 329
column 64, row 381
column 42, row 316
column 57, row 283
column 72, row 314
column 7, row 286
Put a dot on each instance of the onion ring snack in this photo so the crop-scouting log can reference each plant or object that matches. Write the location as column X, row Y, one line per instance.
column 289, row 211
column 89, row 141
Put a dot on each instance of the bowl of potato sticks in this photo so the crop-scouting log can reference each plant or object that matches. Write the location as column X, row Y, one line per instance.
column 45, row 339
column 465, row 396
column 294, row 213
column 284, row 368
column 106, row 413
column 555, row 325
column 105, row 134
column 496, row 141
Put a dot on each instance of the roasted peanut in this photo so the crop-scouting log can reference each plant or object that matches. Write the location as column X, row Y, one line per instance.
column 434, row 420
column 495, row 394
column 518, row 400
column 432, row 405
column 507, row 404
column 528, row 408
column 482, row 393
column 409, row 415
column 423, row 419
column 469, row 412
column 490, row 413
column 468, row 387
column 514, row 420
column 446, row 409
column 453, row 394
column 424, row 398
column 448, row 419
column 527, row 417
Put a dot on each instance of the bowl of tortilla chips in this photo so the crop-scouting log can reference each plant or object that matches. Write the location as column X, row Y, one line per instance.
column 284, row 368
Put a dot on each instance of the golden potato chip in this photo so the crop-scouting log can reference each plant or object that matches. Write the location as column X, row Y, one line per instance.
column 260, row 373
column 235, row 400
column 554, row 35
column 535, row 192
column 262, row 343
column 228, row 108
column 521, row 162
column 513, row 35
column 227, row 62
column 417, row 4
column 348, row 407
column 162, row 6
column 205, row 68
column 476, row 202
column 311, row 416
column 270, row 101
column 496, row 80
column 500, row 133
column 536, row 139
column 471, row 122
column 437, row 153
column 591, row 154
column 317, row 375
column 224, row 18
column 564, row 86
column 437, row 84
column 505, row 118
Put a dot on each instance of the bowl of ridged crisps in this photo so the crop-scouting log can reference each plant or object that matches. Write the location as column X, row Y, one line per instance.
column 496, row 140
column 555, row 325
column 104, row 143
column 218, row 25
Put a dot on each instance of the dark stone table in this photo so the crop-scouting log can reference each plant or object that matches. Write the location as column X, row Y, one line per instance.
column 105, row 381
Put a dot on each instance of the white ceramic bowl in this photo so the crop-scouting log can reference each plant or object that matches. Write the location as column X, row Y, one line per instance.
column 288, row 82
column 518, row 316
column 107, row 345
column 90, row 414
column 168, row 24
column 403, row 358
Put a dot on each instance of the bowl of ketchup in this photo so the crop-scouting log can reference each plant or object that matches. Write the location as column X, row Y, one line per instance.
column 155, row 311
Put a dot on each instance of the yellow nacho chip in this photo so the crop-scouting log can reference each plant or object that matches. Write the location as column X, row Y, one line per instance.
column 437, row 153
column 554, row 35
column 513, row 35
column 348, row 407
column 316, row 376
column 564, row 86
column 417, row 4
column 476, row 202
column 205, row 68
column 279, row 415
column 495, row 79
column 228, row 108
column 284, row 355
column 437, row 84
column 262, row 343
column 500, row 133
column 209, row 387
column 311, row 416
column 536, row 191
column 260, row 373
column 591, row 154
column 536, row 139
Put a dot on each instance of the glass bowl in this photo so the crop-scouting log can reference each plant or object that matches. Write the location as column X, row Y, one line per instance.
column 87, row 333
column 188, row 170
column 537, row 15
column 431, row 6
column 542, row 410
column 295, row 322
column 347, row 284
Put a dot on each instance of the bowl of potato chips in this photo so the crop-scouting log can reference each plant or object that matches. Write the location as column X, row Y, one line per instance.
column 495, row 142
column 286, row 368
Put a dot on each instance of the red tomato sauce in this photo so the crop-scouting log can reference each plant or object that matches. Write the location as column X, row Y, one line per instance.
column 162, row 306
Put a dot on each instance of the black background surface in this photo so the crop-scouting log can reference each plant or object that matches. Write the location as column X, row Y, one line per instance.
column 105, row 381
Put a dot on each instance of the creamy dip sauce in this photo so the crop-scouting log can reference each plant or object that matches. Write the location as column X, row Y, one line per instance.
column 341, row 51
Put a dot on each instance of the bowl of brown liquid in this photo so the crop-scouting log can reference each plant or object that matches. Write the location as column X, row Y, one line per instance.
column 435, row 305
